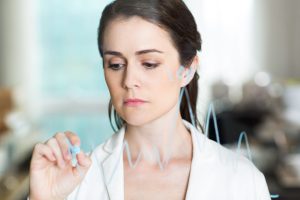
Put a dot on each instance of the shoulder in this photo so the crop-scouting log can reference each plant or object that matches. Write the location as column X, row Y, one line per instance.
column 233, row 168
column 230, row 160
column 221, row 162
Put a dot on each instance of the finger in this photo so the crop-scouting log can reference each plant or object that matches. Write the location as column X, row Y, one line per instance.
column 83, row 160
column 73, row 138
column 63, row 144
column 41, row 150
column 53, row 144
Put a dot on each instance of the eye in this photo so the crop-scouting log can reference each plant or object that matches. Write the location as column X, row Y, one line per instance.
column 150, row 65
column 115, row 66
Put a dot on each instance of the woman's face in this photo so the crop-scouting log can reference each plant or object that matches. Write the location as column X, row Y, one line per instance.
column 140, row 62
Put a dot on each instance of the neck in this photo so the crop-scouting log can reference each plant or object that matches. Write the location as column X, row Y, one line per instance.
column 166, row 137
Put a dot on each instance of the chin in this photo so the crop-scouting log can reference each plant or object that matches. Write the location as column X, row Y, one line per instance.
column 136, row 121
column 139, row 120
column 140, row 117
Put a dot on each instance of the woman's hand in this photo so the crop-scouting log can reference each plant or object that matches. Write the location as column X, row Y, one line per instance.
column 52, row 176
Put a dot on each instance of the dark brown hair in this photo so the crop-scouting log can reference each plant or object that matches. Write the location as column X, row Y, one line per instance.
column 174, row 17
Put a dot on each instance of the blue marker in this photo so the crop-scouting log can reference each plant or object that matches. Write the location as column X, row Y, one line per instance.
column 74, row 150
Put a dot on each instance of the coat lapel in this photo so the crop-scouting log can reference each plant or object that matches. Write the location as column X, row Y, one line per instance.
column 113, row 166
column 196, row 181
column 203, row 176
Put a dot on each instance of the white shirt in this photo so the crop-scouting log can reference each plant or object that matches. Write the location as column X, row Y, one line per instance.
column 216, row 172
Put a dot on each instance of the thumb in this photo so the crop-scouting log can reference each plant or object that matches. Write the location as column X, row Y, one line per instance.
column 84, row 160
column 83, row 164
column 80, row 161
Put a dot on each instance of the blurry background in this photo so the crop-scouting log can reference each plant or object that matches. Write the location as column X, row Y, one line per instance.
column 51, row 80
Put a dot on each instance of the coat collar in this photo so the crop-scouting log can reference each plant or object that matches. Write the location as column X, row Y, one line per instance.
column 113, row 164
column 115, row 141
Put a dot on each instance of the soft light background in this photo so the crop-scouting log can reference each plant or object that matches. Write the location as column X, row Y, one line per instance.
column 56, row 68
column 50, row 61
column 51, row 50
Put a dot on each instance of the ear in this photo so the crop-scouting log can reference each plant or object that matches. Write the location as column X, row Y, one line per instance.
column 189, row 72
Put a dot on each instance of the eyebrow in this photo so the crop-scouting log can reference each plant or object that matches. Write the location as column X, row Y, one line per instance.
column 116, row 53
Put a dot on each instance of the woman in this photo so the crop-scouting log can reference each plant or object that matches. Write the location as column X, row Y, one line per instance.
column 149, row 50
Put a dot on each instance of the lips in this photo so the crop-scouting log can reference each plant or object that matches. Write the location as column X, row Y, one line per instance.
column 134, row 102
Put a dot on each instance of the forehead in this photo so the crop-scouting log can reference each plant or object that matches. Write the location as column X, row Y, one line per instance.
column 135, row 33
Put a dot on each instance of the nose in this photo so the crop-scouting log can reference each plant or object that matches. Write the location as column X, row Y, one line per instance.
column 130, row 79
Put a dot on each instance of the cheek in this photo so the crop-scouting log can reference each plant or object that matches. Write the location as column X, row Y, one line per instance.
column 164, row 77
column 162, row 87
column 165, row 80
column 165, row 94
column 113, row 84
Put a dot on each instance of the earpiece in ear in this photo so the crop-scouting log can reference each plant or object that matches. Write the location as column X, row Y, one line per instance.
column 179, row 72
column 189, row 73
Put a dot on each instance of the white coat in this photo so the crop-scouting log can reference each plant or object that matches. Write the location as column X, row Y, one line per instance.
column 216, row 173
